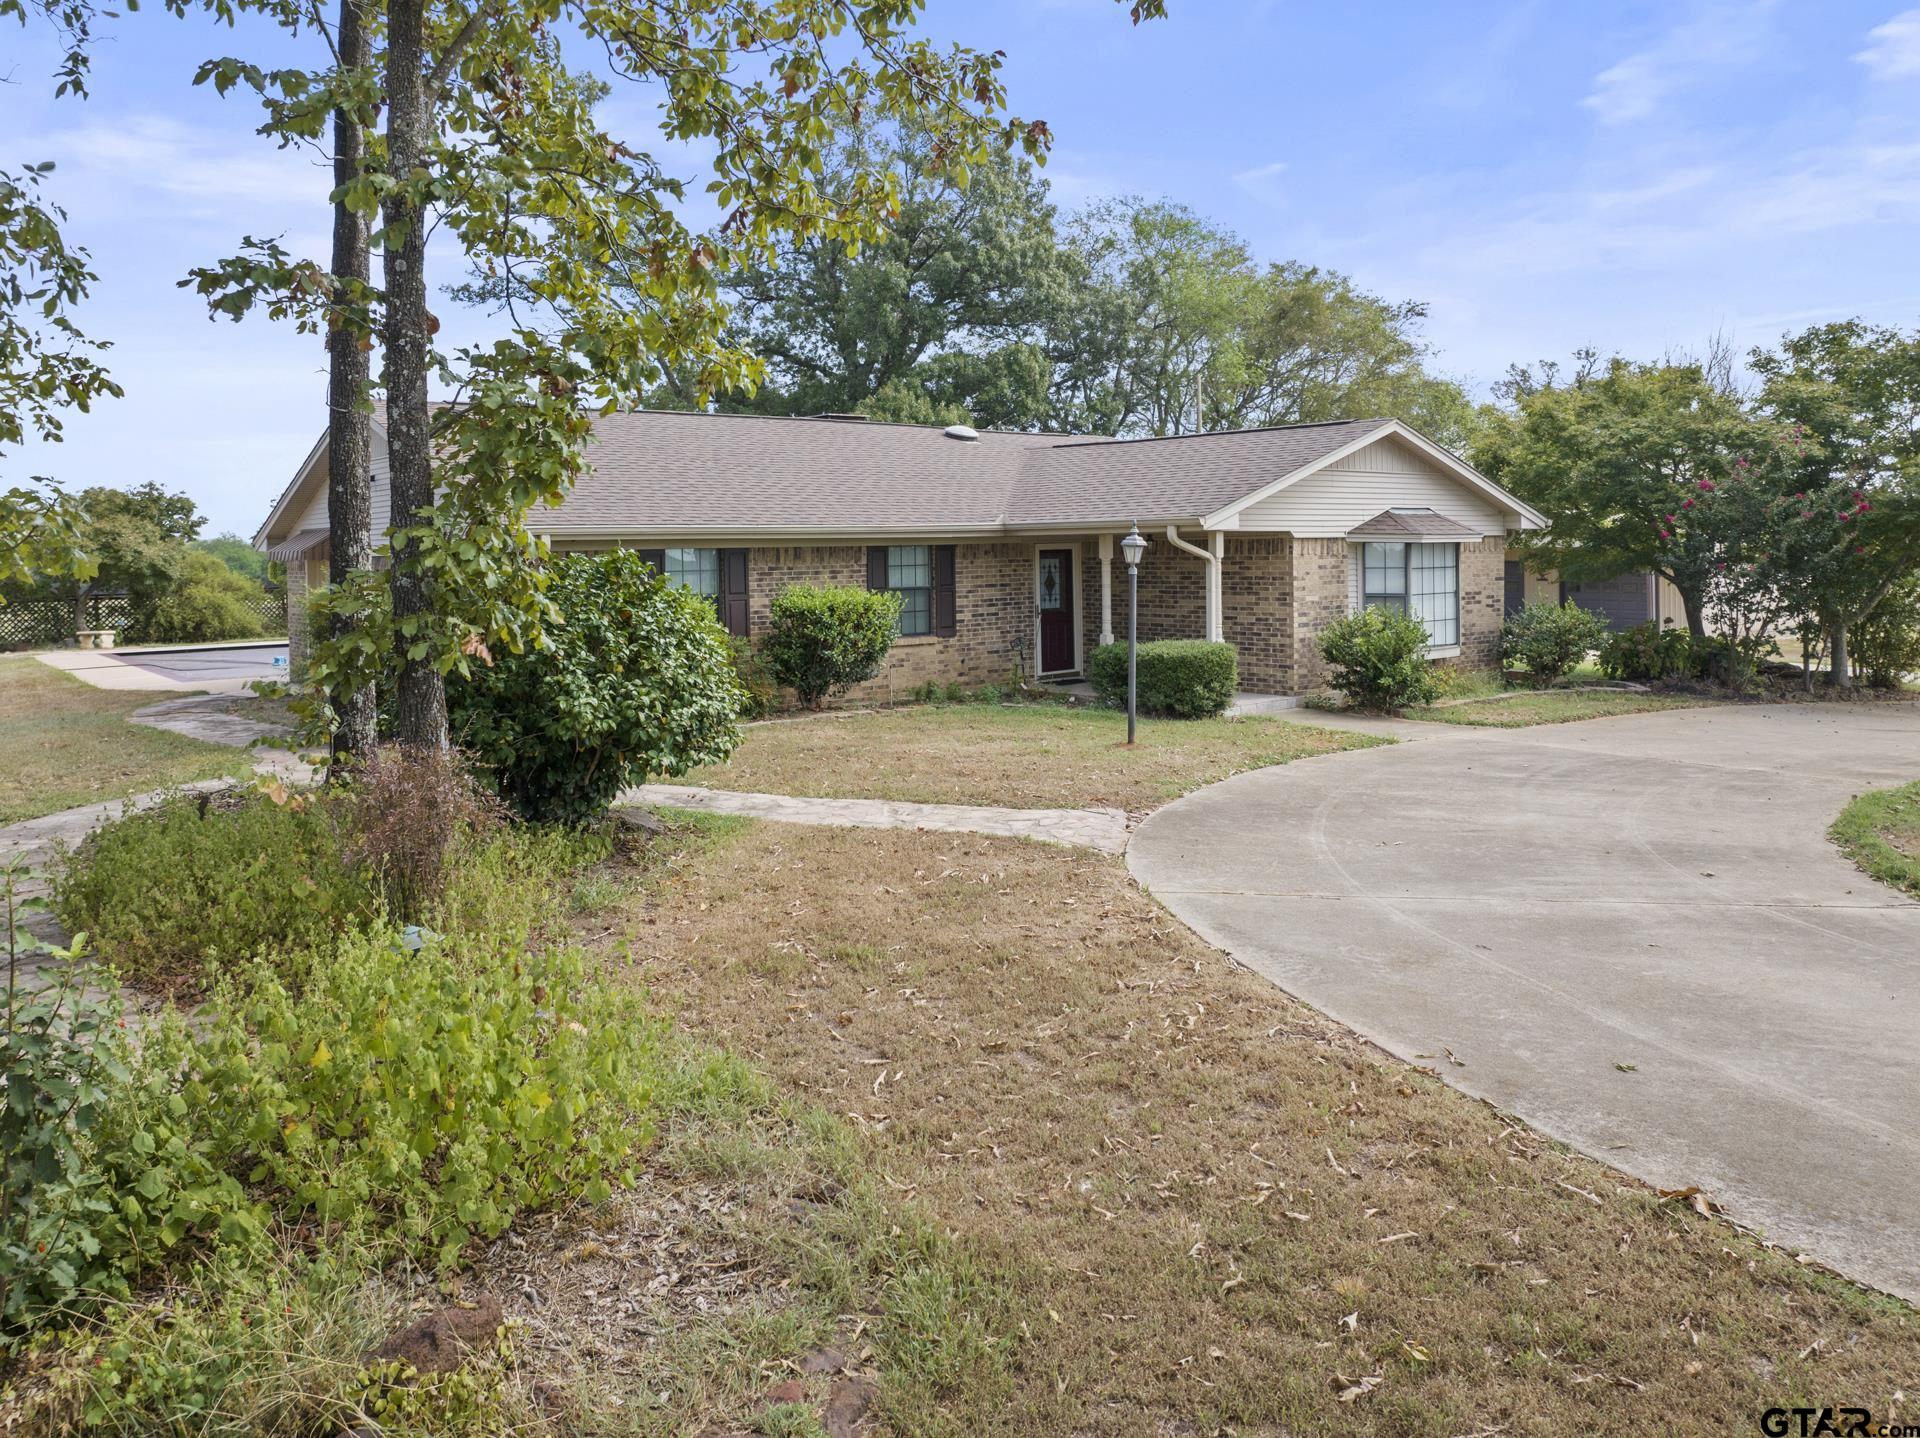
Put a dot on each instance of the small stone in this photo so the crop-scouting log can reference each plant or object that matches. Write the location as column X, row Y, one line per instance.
column 824, row 1360
column 440, row 1342
column 792, row 1391
column 640, row 819
column 848, row 1402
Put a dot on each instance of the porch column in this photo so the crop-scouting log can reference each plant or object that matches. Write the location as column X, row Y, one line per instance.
column 1217, row 542
column 1106, row 589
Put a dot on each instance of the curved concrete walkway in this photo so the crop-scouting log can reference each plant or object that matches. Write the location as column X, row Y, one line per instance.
column 1102, row 829
column 1631, row 932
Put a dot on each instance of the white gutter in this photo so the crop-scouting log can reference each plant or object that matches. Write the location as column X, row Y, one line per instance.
column 1216, row 549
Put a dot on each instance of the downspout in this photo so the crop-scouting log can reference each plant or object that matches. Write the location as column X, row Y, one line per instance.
column 1215, row 629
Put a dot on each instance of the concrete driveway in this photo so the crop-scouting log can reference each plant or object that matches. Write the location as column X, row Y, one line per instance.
column 1630, row 932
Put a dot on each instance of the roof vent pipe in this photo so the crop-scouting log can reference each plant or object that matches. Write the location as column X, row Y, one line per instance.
column 962, row 431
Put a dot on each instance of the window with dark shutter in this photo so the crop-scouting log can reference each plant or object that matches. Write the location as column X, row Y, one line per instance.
column 656, row 557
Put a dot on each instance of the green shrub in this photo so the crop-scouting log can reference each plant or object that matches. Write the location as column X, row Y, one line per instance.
column 214, row 876
column 1885, row 647
column 417, row 1091
column 636, row 680
column 1379, row 659
column 760, row 692
column 99, row 1172
column 1647, row 653
column 1732, row 662
column 824, row 639
column 206, row 601
column 1183, row 678
column 1548, row 640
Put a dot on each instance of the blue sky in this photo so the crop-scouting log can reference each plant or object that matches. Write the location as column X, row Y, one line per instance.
column 1543, row 175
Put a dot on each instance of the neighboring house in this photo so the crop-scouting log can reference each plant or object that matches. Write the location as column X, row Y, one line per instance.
column 1639, row 597
column 1004, row 546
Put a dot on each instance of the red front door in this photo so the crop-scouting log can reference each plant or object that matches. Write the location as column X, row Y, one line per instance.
column 1056, row 610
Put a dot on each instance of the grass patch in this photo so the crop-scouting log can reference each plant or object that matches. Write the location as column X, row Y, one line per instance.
column 1020, row 756
column 1880, row 832
column 1152, row 1194
column 1521, row 708
column 64, row 743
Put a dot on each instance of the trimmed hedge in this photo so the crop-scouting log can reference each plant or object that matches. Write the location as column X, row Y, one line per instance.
column 1181, row 678
column 823, row 639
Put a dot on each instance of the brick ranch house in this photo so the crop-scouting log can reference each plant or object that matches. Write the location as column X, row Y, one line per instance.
column 1004, row 546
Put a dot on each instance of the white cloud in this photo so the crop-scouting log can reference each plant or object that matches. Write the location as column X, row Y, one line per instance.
column 200, row 169
column 1895, row 49
column 1719, row 38
column 1260, row 172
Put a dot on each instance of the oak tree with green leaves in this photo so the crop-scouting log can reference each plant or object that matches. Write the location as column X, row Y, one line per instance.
column 1170, row 326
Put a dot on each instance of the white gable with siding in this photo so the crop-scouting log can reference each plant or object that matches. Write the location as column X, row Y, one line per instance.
column 1386, row 474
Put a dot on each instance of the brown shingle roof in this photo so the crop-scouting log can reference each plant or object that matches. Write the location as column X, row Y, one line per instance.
column 654, row 470
column 1182, row 477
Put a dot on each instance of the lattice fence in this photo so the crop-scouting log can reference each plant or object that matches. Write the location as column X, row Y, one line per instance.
column 48, row 624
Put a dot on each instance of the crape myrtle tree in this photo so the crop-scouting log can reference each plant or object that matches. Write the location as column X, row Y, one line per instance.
column 491, row 139
column 1651, row 467
column 1847, row 537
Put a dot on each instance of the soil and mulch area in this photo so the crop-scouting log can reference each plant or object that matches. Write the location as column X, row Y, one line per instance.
column 1190, row 1205
column 1023, row 756
column 64, row 743
column 1880, row 832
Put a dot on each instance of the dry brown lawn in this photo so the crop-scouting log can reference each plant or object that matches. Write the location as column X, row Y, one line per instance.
column 1033, row 756
column 1215, row 1210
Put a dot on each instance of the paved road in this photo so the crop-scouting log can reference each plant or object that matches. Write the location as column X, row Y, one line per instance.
column 1653, row 891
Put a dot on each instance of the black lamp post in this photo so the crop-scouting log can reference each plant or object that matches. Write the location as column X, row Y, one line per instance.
column 1132, row 547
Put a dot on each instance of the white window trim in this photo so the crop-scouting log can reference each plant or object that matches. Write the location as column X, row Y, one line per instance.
column 903, row 591
column 1357, row 589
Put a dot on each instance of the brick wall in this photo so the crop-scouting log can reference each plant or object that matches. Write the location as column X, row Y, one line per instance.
column 1483, row 588
column 1173, row 595
column 1256, row 582
column 298, row 592
column 993, row 612
column 1321, row 594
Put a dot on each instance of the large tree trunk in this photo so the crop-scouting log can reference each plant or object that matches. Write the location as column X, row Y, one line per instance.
column 1842, row 662
column 420, row 707
column 349, row 426
column 1695, row 607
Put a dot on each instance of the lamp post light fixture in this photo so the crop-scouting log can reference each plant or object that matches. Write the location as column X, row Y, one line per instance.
column 1132, row 548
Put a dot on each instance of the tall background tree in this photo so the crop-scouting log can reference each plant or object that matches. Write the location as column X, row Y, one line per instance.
column 1171, row 325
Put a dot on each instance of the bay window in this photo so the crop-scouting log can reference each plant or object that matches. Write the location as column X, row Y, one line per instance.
column 1418, row 579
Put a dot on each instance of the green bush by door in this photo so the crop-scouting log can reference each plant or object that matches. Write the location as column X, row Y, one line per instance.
column 1180, row 678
